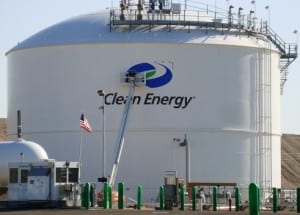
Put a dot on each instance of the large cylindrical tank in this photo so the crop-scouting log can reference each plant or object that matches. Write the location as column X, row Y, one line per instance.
column 18, row 151
column 214, row 86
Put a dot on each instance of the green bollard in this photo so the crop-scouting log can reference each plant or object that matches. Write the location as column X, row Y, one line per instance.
column 194, row 198
column 259, row 202
column 298, row 200
column 215, row 198
column 237, row 198
column 275, row 200
column 181, row 199
column 86, row 195
column 109, row 194
column 109, row 190
column 82, row 195
column 161, row 198
column 139, row 197
column 92, row 195
column 121, row 195
column 253, row 199
column 105, row 195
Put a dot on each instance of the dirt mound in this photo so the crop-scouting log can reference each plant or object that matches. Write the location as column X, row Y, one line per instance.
column 290, row 159
column 3, row 133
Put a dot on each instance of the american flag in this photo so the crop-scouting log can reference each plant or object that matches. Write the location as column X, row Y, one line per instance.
column 85, row 124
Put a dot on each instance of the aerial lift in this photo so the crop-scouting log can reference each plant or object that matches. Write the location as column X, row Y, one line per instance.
column 133, row 79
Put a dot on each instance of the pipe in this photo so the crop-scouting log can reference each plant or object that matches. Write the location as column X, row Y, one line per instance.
column 19, row 124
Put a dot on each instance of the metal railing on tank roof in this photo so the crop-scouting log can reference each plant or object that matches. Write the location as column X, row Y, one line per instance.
column 134, row 17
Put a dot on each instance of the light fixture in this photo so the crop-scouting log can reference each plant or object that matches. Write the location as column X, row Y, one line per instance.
column 101, row 92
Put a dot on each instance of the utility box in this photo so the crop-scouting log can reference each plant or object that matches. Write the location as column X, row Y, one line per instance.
column 46, row 182
column 171, row 189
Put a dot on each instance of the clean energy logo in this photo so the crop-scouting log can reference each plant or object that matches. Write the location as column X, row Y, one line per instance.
column 156, row 76
column 152, row 80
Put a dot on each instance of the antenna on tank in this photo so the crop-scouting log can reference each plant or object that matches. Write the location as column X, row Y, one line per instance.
column 19, row 124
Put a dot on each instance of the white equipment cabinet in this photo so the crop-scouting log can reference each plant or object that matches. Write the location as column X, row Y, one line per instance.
column 48, row 181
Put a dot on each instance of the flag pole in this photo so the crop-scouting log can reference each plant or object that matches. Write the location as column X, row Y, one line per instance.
column 80, row 154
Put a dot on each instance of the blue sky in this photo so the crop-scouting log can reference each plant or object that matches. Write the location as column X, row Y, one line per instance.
column 20, row 19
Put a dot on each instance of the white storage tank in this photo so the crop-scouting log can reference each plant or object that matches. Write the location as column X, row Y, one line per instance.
column 18, row 151
column 220, row 87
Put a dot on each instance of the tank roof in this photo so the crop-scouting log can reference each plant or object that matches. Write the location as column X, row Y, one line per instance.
column 76, row 30
column 138, row 25
column 96, row 28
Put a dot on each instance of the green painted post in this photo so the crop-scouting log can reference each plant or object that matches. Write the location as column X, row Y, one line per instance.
column 92, row 195
column 139, row 197
column 82, row 196
column 194, row 198
column 105, row 195
column 253, row 199
column 275, row 200
column 258, row 198
column 86, row 195
column 298, row 200
column 237, row 198
column 215, row 198
column 109, row 189
column 181, row 198
column 161, row 198
column 121, row 195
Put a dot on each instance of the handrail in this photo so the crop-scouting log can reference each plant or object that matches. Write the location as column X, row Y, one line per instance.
column 289, row 50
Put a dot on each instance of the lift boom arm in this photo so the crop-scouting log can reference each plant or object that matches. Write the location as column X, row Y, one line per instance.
column 120, row 137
